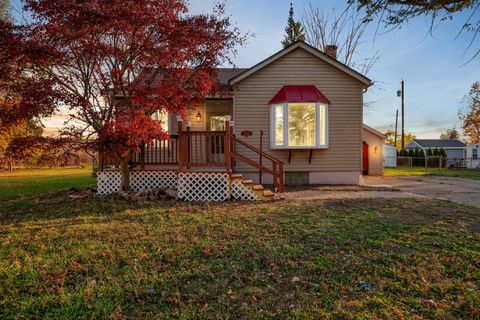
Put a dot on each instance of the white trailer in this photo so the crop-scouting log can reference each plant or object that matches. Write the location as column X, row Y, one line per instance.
column 389, row 156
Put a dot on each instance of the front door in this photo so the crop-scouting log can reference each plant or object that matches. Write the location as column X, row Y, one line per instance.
column 364, row 158
column 215, row 143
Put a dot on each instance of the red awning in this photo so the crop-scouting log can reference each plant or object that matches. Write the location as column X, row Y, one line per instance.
column 299, row 94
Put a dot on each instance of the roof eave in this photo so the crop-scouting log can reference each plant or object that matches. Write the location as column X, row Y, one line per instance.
column 342, row 67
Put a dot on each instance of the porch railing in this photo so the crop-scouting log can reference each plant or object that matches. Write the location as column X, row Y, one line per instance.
column 209, row 149
column 157, row 152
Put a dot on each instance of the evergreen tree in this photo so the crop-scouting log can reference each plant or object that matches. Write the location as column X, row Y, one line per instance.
column 294, row 30
column 435, row 152
column 429, row 152
column 411, row 153
column 417, row 156
column 422, row 157
column 442, row 153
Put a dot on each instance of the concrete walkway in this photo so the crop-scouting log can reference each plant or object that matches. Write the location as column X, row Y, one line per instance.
column 344, row 193
column 463, row 191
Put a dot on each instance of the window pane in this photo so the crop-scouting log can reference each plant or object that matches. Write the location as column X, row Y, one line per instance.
column 279, row 125
column 301, row 124
column 323, row 124
column 217, row 123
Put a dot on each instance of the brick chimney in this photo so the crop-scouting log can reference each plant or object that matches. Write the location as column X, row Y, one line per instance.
column 331, row 50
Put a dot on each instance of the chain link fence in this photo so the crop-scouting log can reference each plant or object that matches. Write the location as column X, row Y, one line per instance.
column 437, row 164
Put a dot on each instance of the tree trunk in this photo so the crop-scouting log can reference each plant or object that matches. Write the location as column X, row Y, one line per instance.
column 125, row 172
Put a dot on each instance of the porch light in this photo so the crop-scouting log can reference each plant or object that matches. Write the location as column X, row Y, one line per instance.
column 179, row 119
column 199, row 116
column 227, row 117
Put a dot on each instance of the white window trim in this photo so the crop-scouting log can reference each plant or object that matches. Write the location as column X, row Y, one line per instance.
column 273, row 144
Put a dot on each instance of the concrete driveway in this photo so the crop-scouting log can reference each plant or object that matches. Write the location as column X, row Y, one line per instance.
column 464, row 191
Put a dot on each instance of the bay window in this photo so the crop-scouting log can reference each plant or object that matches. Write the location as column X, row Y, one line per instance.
column 298, row 125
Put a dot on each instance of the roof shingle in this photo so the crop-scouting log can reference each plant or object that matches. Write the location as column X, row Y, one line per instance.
column 439, row 143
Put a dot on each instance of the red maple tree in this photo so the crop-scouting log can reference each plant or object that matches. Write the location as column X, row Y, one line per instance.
column 115, row 62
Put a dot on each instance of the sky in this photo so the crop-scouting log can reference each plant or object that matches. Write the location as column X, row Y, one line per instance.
column 432, row 66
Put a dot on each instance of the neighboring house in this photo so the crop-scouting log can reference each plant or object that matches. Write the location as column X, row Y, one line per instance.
column 472, row 155
column 298, row 112
column 455, row 149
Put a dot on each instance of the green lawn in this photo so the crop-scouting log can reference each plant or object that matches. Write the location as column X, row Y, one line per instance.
column 422, row 171
column 102, row 257
column 22, row 187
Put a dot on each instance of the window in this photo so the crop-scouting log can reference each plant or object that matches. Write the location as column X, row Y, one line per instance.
column 163, row 118
column 299, row 125
column 474, row 153
column 217, row 123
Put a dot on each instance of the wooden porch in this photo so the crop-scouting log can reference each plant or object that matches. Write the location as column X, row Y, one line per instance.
column 205, row 151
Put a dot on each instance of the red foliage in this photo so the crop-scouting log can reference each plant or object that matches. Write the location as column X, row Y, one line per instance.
column 115, row 62
column 24, row 95
column 125, row 140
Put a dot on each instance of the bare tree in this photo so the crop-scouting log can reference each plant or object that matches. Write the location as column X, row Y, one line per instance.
column 5, row 10
column 395, row 13
column 344, row 29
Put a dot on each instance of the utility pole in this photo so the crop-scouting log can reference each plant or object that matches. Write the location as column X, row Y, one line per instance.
column 396, row 125
column 401, row 93
column 403, row 115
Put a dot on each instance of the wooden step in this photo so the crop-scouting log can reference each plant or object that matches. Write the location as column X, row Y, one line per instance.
column 237, row 176
column 258, row 187
column 268, row 193
column 245, row 182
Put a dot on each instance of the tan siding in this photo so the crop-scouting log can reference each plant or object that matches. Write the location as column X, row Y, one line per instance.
column 251, row 111
column 375, row 158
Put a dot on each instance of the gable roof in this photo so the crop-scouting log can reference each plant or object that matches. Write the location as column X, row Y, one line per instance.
column 371, row 130
column 438, row 143
column 314, row 51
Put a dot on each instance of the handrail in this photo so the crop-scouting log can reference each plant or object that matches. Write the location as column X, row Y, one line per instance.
column 276, row 172
column 249, row 146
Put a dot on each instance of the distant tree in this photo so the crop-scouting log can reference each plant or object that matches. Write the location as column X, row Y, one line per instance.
column 450, row 134
column 345, row 29
column 294, row 29
column 470, row 114
column 395, row 13
column 390, row 138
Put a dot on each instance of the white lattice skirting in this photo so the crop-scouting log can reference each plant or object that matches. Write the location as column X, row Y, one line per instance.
column 109, row 181
column 241, row 192
column 191, row 186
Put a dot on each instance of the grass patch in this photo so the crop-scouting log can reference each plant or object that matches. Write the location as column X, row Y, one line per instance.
column 105, row 258
column 421, row 171
column 21, row 188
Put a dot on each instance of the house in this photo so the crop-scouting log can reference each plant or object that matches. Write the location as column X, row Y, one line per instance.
column 294, row 118
column 455, row 149
column 472, row 152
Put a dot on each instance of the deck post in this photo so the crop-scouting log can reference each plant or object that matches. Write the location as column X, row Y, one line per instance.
column 188, row 146
column 227, row 144
column 180, row 144
column 142, row 157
